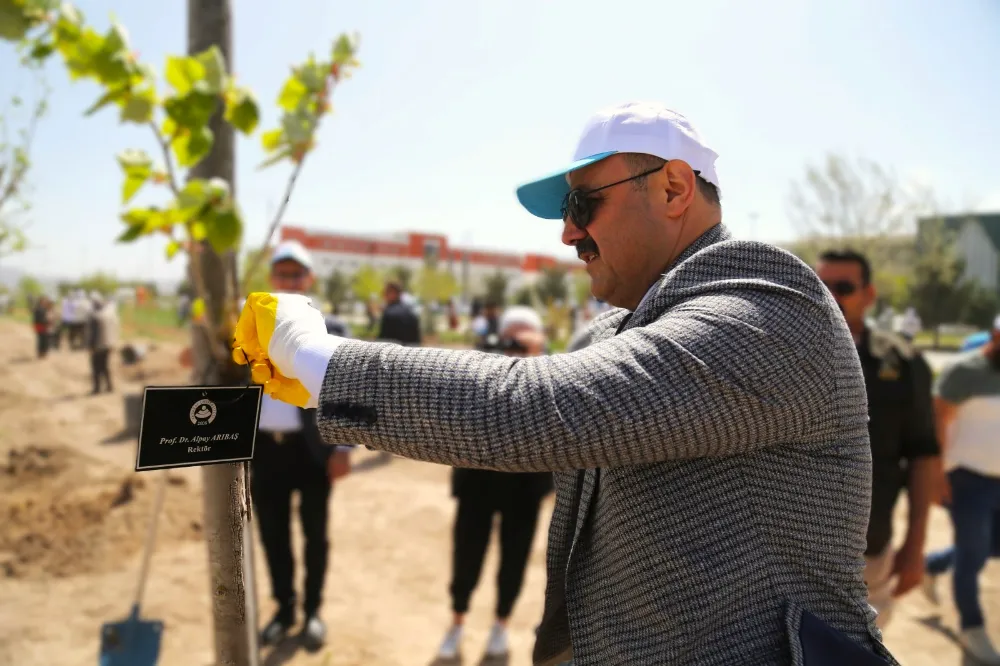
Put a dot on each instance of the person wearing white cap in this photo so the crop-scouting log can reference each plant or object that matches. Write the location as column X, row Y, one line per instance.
column 483, row 494
column 967, row 410
column 291, row 457
column 710, row 445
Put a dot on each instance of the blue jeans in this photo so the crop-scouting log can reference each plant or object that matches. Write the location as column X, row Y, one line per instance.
column 975, row 504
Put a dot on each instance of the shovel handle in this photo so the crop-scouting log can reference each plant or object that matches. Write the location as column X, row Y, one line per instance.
column 147, row 554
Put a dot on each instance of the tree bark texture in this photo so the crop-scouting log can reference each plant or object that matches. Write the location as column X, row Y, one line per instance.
column 210, row 23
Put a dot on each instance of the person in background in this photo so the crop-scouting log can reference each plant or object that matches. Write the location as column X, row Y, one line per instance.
column 483, row 494
column 487, row 322
column 904, row 445
column 910, row 324
column 399, row 322
column 290, row 457
column 42, row 320
column 102, row 337
column 967, row 408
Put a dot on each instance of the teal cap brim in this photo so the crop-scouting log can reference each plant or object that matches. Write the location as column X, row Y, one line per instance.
column 544, row 197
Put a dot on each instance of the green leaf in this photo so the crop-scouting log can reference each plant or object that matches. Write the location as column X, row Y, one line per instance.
column 192, row 147
column 198, row 231
column 132, row 233
column 292, row 94
column 138, row 106
column 193, row 196
column 274, row 159
column 115, row 96
column 172, row 248
column 272, row 139
column 182, row 72
column 224, row 228
column 241, row 110
column 213, row 68
column 344, row 49
column 138, row 216
column 192, row 111
column 42, row 50
column 138, row 167
column 13, row 24
column 198, row 309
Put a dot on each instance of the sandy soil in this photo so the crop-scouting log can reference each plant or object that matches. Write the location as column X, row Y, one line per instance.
column 73, row 516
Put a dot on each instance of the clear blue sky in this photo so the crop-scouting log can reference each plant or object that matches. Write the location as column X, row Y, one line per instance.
column 459, row 100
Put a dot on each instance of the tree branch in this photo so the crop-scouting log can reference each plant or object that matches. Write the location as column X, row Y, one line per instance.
column 167, row 159
column 256, row 258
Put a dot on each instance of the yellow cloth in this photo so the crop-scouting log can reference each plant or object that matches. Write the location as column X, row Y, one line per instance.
column 252, row 345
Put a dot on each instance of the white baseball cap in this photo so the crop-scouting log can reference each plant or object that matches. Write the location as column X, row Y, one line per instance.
column 520, row 315
column 634, row 127
column 294, row 251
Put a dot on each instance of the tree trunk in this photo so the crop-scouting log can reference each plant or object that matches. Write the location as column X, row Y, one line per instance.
column 210, row 22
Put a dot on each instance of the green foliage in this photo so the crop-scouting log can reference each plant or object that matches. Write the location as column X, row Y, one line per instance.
column 936, row 290
column 525, row 296
column 434, row 285
column 28, row 287
column 258, row 279
column 581, row 288
column 199, row 87
column 403, row 275
column 551, row 286
column 367, row 284
column 496, row 287
column 335, row 289
column 980, row 305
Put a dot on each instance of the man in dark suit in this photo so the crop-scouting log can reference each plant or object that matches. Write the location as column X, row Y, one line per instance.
column 290, row 457
column 399, row 322
column 710, row 446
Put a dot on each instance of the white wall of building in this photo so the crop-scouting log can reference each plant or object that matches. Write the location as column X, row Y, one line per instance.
column 982, row 262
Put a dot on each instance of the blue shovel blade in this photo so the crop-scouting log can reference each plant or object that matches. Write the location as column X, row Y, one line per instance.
column 133, row 642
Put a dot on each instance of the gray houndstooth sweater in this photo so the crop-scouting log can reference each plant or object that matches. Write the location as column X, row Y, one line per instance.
column 713, row 467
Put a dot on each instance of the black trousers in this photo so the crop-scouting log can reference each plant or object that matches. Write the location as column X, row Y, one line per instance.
column 473, row 526
column 44, row 342
column 99, row 369
column 279, row 471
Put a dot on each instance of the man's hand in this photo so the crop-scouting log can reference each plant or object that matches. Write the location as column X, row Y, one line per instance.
column 271, row 329
column 908, row 566
column 338, row 465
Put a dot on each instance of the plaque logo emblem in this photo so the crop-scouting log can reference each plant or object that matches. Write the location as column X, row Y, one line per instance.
column 203, row 412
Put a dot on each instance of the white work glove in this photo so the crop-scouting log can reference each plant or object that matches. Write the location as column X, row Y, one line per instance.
column 283, row 338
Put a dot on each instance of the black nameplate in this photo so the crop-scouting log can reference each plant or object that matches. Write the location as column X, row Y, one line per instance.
column 184, row 426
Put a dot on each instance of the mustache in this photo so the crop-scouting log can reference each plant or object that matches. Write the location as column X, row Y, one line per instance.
column 587, row 245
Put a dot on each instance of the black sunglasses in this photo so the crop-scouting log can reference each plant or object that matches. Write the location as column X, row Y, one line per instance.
column 579, row 205
column 841, row 287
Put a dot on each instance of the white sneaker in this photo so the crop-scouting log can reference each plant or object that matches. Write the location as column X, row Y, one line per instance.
column 929, row 587
column 497, row 645
column 450, row 645
column 977, row 643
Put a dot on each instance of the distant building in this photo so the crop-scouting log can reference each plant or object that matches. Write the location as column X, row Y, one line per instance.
column 349, row 252
column 977, row 239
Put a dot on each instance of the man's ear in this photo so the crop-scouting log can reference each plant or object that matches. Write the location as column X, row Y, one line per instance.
column 680, row 185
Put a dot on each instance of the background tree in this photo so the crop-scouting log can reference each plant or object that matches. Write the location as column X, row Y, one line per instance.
column 551, row 286
column 496, row 287
column 403, row 275
column 15, row 163
column 101, row 282
column 862, row 205
column 194, row 123
column 256, row 280
column 581, row 288
column 367, row 284
column 980, row 305
column 937, row 290
column 525, row 296
column 28, row 289
column 335, row 289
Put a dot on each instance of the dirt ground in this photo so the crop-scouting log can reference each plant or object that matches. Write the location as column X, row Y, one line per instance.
column 73, row 516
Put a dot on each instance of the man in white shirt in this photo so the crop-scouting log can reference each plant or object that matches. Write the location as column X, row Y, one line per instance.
column 967, row 410
column 290, row 456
